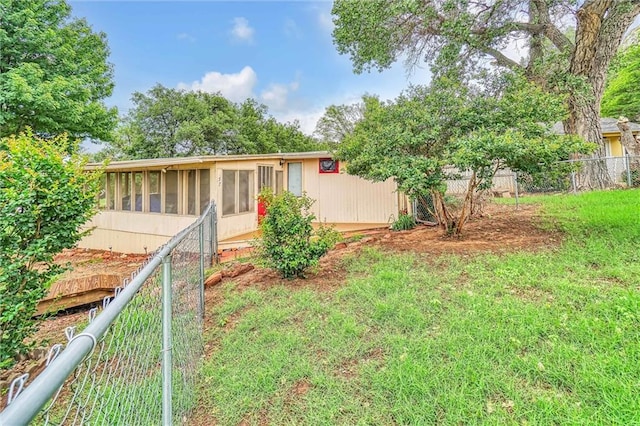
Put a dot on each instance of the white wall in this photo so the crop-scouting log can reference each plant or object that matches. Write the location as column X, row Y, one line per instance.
column 343, row 198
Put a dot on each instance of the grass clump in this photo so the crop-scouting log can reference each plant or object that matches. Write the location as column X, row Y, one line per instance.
column 405, row 222
column 549, row 337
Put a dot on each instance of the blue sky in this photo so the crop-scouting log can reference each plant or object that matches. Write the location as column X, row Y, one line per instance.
column 280, row 53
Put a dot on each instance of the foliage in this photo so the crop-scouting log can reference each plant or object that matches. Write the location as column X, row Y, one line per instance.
column 474, row 36
column 45, row 197
column 404, row 222
column 172, row 123
column 427, row 130
column 338, row 121
column 622, row 96
column 540, row 336
column 54, row 72
column 288, row 240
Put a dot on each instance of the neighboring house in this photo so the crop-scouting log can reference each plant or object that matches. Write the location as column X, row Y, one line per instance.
column 145, row 202
column 610, row 134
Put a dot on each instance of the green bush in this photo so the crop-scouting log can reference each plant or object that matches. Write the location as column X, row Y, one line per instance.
column 45, row 197
column 405, row 221
column 289, row 243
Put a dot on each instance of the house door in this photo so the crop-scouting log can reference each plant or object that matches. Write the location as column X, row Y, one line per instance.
column 294, row 178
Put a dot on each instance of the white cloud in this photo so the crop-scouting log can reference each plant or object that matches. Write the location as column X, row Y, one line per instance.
column 236, row 87
column 276, row 96
column 186, row 36
column 323, row 16
column 291, row 29
column 241, row 30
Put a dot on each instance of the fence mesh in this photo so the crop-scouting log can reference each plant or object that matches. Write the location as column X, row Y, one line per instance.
column 121, row 380
column 616, row 172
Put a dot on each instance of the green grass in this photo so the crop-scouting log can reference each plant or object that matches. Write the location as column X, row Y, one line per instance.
column 551, row 337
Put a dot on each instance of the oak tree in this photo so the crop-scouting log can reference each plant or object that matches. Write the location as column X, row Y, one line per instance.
column 54, row 72
column 377, row 33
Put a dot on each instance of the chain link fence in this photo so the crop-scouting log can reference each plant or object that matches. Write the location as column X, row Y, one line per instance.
column 615, row 172
column 135, row 362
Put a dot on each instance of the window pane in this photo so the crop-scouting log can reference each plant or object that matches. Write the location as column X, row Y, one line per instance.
column 154, row 192
column 191, row 192
column 138, row 179
column 102, row 195
column 204, row 190
column 228, row 191
column 171, row 188
column 125, row 190
column 294, row 180
column 111, row 191
column 279, row 182
column 265, row 177
column 245, row 191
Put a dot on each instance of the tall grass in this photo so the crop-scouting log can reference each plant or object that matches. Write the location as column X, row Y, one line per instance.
column 551, row 337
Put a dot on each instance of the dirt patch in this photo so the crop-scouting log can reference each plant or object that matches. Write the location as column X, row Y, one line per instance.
column 502, row 229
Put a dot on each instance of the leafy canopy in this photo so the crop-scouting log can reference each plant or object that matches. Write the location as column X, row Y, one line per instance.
column 430, row 134
column 45, row 197
column 54, row 72
column 622, row 94
column 168, row 122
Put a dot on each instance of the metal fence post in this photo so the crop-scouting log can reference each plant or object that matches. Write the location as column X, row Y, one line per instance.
column 628, row 165
column 201, row 285
column 166, row 341
column 214, row 233
column 517, row 193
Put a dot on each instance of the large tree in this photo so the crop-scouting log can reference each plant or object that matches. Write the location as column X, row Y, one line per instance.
column 54, row 73
column 416, row 138
column 376, row 33
column 168, row 122
column 338, row 121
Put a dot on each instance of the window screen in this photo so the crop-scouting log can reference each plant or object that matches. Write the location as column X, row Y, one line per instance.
column 279, row 182
column 265, row 177
column 228, row 192
column 111, row 191
column 171, row 188
column 138, row 179
column 154, row 192
column 245, row 191
column 191, row 191
column 205, row 190
column 125, row 190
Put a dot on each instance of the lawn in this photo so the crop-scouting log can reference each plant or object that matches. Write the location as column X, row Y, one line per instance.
column 544, row 337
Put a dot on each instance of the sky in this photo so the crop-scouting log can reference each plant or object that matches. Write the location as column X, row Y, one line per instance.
column 279, row 53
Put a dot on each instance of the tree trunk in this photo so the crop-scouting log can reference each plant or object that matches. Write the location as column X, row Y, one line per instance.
column 632, row 145
column 444, row 217
column 628, row 140
column 601, row 24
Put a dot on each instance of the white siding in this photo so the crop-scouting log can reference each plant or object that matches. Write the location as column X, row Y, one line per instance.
column 343, row 198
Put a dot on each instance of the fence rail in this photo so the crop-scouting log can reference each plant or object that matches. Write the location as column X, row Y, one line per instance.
column 136, row 361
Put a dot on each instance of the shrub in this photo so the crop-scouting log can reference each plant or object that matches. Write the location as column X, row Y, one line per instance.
column 405, row 221
column 289, row 243
column 45, row 196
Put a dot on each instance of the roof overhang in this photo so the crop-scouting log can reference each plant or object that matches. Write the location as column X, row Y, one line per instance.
column 160, row 163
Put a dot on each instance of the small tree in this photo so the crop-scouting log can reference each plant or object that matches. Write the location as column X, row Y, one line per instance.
column 45, row 197
column 289, row 243
column 430, row 134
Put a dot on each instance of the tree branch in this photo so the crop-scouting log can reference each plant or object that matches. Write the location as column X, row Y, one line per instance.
column 550, row 31
column 501, row 59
